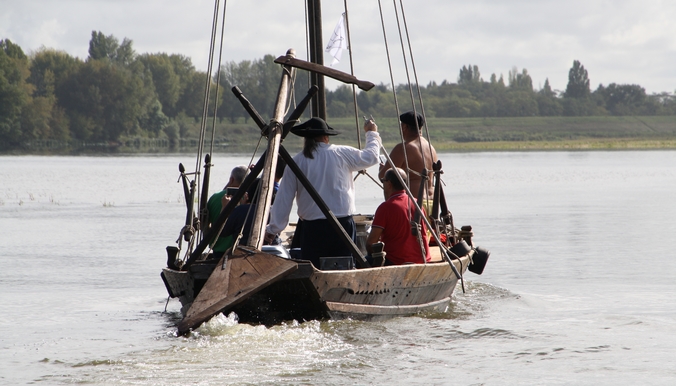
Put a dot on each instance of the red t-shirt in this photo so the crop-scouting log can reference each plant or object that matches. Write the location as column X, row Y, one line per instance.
column 393, row 217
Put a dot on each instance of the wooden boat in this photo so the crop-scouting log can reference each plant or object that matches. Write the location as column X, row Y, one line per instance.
column 263, row 284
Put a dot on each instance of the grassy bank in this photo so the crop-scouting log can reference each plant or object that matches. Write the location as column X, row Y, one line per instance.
column 447, row 134
column 538, row 133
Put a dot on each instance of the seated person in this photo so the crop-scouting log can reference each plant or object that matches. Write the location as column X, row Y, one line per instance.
column 216, row 204
column 241, row 217
column 392, row 224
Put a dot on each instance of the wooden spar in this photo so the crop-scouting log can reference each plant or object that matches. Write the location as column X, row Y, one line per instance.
column 295, row 115
column 266, row 187
column 204, row 198
column 330, row 72
column 258, row 120
column 293, row 118
column 314, row 12
column 186, row 189
column 188, row 230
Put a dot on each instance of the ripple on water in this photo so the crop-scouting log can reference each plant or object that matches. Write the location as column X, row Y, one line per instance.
column 225, row 351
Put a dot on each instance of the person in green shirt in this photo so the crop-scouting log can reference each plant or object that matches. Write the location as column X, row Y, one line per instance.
column 217, row 202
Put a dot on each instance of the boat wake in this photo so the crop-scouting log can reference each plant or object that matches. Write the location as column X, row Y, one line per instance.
column 476, row 300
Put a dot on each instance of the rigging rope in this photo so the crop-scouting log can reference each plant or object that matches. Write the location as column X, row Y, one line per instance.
column 207, row 91
column 394, row 87
column 354, row 91
column 425, row 178
column 218, row 82
column 354, row 88
column 415, row 75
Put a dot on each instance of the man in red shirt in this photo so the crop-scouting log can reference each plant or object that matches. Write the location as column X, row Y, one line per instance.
column 392, row 224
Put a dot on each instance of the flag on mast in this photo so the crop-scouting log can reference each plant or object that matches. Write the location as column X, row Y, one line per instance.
column 338, row 41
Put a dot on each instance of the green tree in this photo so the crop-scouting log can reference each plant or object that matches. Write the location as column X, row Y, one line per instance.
column 102, row 47
column 44, row 118
column 340, row 103
column 165, row 80
column 578, row 82
column 520, row 81
column 191, row 101
column 154, row 120
column 623, row 99
column 258, row 80
column 49, row 69
column 548, row 103
column 519, row 103
column 125, row 54
column 547, row 90
column 469, row 75
column 105, row 101
column 15, row 92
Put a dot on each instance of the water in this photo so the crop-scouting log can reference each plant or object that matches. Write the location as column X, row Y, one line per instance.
column 579, row 288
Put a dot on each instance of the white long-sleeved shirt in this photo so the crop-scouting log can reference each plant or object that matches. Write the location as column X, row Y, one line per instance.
column 330, row 173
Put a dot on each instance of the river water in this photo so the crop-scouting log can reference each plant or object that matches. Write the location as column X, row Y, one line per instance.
column 579, row 289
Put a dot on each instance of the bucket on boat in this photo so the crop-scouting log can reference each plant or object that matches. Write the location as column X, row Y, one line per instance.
column 295, row 254
column 172, row 253
column 479, row 260
column 461, row 248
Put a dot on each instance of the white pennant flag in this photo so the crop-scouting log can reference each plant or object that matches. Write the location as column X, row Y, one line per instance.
column 338, row 41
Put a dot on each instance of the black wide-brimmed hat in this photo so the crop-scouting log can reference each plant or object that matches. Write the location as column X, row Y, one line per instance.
column 314, row 127
column 409, row 119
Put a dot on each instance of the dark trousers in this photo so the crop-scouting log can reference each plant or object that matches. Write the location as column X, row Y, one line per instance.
column 319, row 239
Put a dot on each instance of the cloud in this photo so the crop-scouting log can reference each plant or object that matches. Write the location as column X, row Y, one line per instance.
column 623, row 41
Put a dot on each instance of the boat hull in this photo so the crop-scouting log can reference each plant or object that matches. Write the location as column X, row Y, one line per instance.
column 310, row 294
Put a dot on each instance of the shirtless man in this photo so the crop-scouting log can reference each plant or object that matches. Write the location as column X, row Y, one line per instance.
column 418, row 157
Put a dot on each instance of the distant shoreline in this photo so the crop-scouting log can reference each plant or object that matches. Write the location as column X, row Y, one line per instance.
column 447, row 135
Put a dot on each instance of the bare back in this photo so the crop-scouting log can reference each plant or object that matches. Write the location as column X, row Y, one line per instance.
column 417, row 160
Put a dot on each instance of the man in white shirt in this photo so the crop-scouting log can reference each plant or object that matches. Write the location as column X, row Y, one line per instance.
column 329, row 169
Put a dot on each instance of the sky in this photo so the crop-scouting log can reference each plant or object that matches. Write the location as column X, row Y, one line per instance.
column 618, row 41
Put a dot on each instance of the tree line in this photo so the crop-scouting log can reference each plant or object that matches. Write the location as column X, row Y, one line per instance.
column 116, row 94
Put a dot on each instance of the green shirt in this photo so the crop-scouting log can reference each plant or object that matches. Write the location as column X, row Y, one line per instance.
column 214, row 207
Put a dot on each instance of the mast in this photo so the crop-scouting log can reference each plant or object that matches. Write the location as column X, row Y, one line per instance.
column 314, row 11
column 266, row 187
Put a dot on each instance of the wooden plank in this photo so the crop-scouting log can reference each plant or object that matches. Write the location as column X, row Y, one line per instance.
column 401, row 285
column 360, row 310
column 245, row 273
